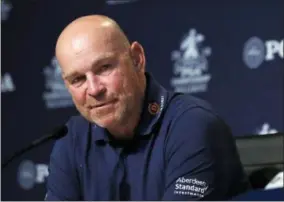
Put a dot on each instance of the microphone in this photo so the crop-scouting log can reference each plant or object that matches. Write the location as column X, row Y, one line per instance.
column 57, row 133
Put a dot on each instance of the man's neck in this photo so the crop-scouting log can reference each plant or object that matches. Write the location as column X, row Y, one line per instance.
column 126, row 129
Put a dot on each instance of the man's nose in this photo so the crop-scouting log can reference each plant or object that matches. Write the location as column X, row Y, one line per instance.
column 95, row 87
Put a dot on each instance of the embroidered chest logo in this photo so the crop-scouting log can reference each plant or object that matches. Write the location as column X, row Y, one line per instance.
column 153, row 108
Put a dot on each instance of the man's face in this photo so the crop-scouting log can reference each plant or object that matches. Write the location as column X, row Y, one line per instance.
column 105, row 85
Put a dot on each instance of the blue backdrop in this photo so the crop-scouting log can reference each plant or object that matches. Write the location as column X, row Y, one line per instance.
column 229, row 53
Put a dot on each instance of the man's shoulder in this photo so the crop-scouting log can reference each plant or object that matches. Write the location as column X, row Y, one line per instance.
column 77, row 125
column 77, row 121
column 78, row 128
column 193, row 113
column 182, row 102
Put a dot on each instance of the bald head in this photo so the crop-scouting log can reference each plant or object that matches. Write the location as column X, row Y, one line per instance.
column 104, row 73
column 93, row 30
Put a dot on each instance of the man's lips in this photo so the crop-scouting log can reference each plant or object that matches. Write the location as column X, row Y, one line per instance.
column 101, row 104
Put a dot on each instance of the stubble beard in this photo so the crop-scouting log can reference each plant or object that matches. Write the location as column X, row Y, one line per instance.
column 111, row 118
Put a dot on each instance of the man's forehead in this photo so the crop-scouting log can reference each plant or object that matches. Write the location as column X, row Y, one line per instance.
column 103, row 56
column 100, row 39
column 84, row 64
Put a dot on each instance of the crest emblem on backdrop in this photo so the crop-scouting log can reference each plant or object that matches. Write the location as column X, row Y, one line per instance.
column 191, row 64
column 56, row 96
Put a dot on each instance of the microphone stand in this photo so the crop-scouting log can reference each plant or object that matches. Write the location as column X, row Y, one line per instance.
column 56, row 134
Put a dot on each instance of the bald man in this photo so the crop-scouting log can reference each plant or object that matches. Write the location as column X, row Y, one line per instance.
column 133, row 139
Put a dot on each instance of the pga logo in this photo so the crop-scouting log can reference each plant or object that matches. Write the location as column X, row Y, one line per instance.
column 273, row 48
column 257, row 51
column 30, row 174
column 42, row 173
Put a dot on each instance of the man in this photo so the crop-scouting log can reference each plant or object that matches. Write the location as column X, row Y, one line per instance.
column 134, row 140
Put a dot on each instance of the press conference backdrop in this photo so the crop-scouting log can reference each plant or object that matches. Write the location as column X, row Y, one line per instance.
column 227, row 52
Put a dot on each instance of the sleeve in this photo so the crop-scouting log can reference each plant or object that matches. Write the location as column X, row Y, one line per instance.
column 62, row 182
column 201, row 158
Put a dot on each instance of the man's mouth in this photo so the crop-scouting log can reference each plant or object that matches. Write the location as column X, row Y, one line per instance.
column 101, row 104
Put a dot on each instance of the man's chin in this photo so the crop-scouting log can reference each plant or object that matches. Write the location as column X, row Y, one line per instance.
column 104, row 122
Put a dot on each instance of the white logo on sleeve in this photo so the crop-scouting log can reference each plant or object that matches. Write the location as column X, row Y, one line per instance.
column 193, row 187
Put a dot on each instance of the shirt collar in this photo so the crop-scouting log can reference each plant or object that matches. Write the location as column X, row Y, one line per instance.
column 154, row 102
column 99, row 133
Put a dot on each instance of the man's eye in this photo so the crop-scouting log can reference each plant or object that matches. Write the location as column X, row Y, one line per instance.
column 105, row 69
column 77, row 80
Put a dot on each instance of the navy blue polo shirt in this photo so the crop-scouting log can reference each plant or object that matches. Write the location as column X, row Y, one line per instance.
column 182, row 150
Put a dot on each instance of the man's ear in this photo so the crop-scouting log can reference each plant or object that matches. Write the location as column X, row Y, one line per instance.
column 138, row 56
